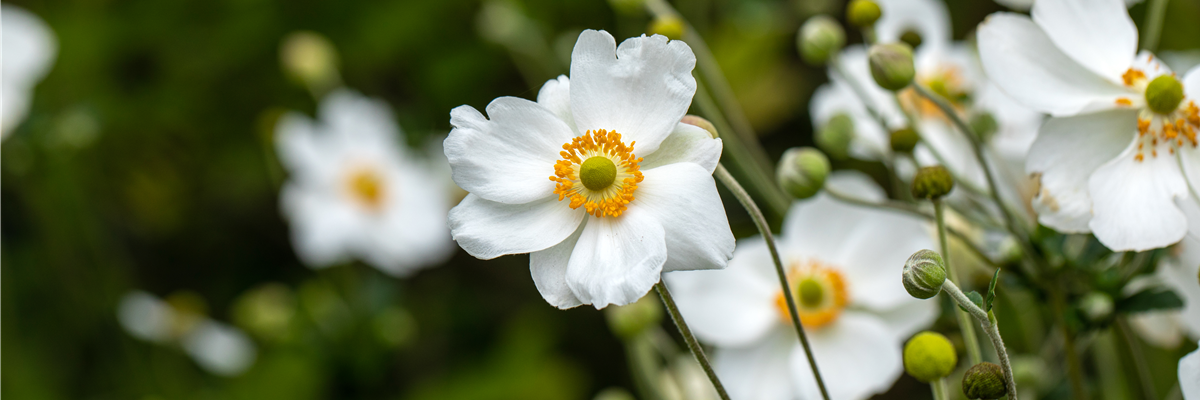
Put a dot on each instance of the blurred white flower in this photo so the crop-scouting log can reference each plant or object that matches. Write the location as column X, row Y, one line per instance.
column 684, row 379
column 218, row 348
column 29, row 51
column 356, row 191
column 601, row 226
column 844, row 264
column 1024, row 5
column 1113, row 159
column 1189, row 375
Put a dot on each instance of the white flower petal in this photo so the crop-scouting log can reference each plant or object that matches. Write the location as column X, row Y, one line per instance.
column 359, row 121
column 683, row 198
column 818, row 227
column 549, row 270
column 1158, row 328
column 325, row 230
column 556, row 97
column 220, row 349
column 1019, row 57
column 145, row 316
column 29, row 48
column 509, row 158
column 1133, row 203
column 1189, row 375
column 759, row 371
column 909, row 317
column 873, row 252
column 687, row 143
column 488, row 229
column 732, row 307
column 1191, row 84
column 617, row 260
column 858, row 349
column 1098, row 34
column 641, row 89
column 1065, row 154
column 927, row 18
column 411, row 232
column 306, row 154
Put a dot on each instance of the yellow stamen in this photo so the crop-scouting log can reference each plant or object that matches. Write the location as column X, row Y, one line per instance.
column 820, row 293
column 366, row 187
column 604, row 198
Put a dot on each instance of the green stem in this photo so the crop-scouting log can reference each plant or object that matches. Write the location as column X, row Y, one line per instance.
column 1152, row 28
column 1074, row 366
column 692, row 344
column 993, row 331
column 939, row 389
column 964, row 321
column 744, row 161
column 765, row 229
column 1139, row 359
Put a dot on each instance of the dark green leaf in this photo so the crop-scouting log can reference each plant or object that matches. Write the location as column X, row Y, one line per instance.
column 1150, row 299
column 976, row 298
column 991, row 293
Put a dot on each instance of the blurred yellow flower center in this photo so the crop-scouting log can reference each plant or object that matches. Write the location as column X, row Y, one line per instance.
column 820, row 293
column 945, row 81
column 1167, row 121
column 366, row 187
column 598, row 172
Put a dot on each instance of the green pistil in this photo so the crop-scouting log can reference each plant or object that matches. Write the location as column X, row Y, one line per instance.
column 597, row 173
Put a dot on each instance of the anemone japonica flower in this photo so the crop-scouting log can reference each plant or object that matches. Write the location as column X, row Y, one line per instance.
column 1121, row 146
column 598, row 179
column 29, row 51
column 218, row 348
column 843, row 265
column 355, row 191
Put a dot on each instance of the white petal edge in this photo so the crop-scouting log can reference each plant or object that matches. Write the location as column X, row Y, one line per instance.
column 732, row 307
column 549, row 271
column 1133, row 203
column 858, row 349
column 687, row 143
column 1098, row 34
column 555, row 95
column 1189, row 375
column 617, row 259
column 928, row 18
column 683, row 198
column 488, row 229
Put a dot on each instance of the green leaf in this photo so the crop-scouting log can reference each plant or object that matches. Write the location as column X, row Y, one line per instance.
column 1150, row 299
column 976, row 298
column 991, row 293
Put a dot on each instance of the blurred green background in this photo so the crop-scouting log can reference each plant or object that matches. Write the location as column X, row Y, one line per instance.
column 145, row 164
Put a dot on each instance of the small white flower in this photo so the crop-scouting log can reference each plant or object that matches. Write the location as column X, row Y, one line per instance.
column 844, row 264
column 354, row 190
column 29, row 51
column 598, row 179
column 218, row 348
column 1189, row 375
column 1110, row 162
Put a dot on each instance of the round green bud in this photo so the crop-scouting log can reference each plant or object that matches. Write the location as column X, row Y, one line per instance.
column 932, row 182
column 669, row 26
column 904, row 140
column 310, row 58
column 597, row 173
column 819, row 39
column 835, row 137
column 802, row 171
column 984, row 125
column 892, row 65
column 929, row 356
column 700, row 122
column 1164, row 94
column 1096, row 306
column 863, row 13
column 630, row 320
column 984, row 381
column 924, row 273
column 912, row 38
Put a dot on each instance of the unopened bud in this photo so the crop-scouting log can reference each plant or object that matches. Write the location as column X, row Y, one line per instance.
column 819, row 39
column 892, row 65
column 932, row 182
column 1096, row 306
column 669, row 26
column 802, row 171
column 924, row 273
column 836, row 135
column 1164, row 94
column 929, row 356
column 911, row 38
column 904, row 140
column 700, row 122
column 984, row 381
column 629, row 320
column 984, row 125
column 310, row 58
column 863, row 13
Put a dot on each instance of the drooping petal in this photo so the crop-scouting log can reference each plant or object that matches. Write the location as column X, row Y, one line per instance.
column 683, row 197
column 1019, row 57
column 1098, row 34
column 1189, row 375
column 510, row 157
column 1064, row 155
column 617, row 260
column 555, row 95
column 761, row 370
column 687, row 143
column 733, row 307
column 641, row 89
column 488, row 229
column 1133, row 202
column 858, row 349
column 549, row 270
column 927, row 18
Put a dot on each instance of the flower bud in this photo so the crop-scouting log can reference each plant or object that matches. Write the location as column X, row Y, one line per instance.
column 630, row 320
column 863, row 13
column 669, row 26
column 1096, row 306
column 932, row 182
column 820, row 38
column 802, row 171
column 834, row 138
column 924, row 273
column 984, row 381
column 700, row 122
column 892, row 65
column 984, row 125
column 904, row 140
column 911, row 38
column 310, row 58
column 1164, row 94
column 929, row 356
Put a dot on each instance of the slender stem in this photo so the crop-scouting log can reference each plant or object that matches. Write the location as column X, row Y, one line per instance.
column 692, row 344
column 1152, row 28
column 939, row 389
column 1074, row 366
column 992, row 330
column 964, row 321
column 1139, row 359
column 765, row 230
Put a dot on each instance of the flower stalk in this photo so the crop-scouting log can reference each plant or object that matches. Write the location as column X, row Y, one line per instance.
column 765, row 229
column 1154, row 21
column 964, row 321
column 988, row 321
column 692, row 343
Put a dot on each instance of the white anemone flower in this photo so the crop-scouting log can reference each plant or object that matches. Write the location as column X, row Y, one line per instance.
column 216, row 347
column 844, row 264
column 356, row 191
column 29, row 51
column 1189, row 375
column 598, row 179
column 1113, row 159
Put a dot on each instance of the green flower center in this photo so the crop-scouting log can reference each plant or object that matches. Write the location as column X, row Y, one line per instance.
column 1164, row 94
column 597, row 173
column 811, row 292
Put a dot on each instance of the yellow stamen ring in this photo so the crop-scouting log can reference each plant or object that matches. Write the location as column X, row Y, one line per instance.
column 820, row 293
column 598, row 172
